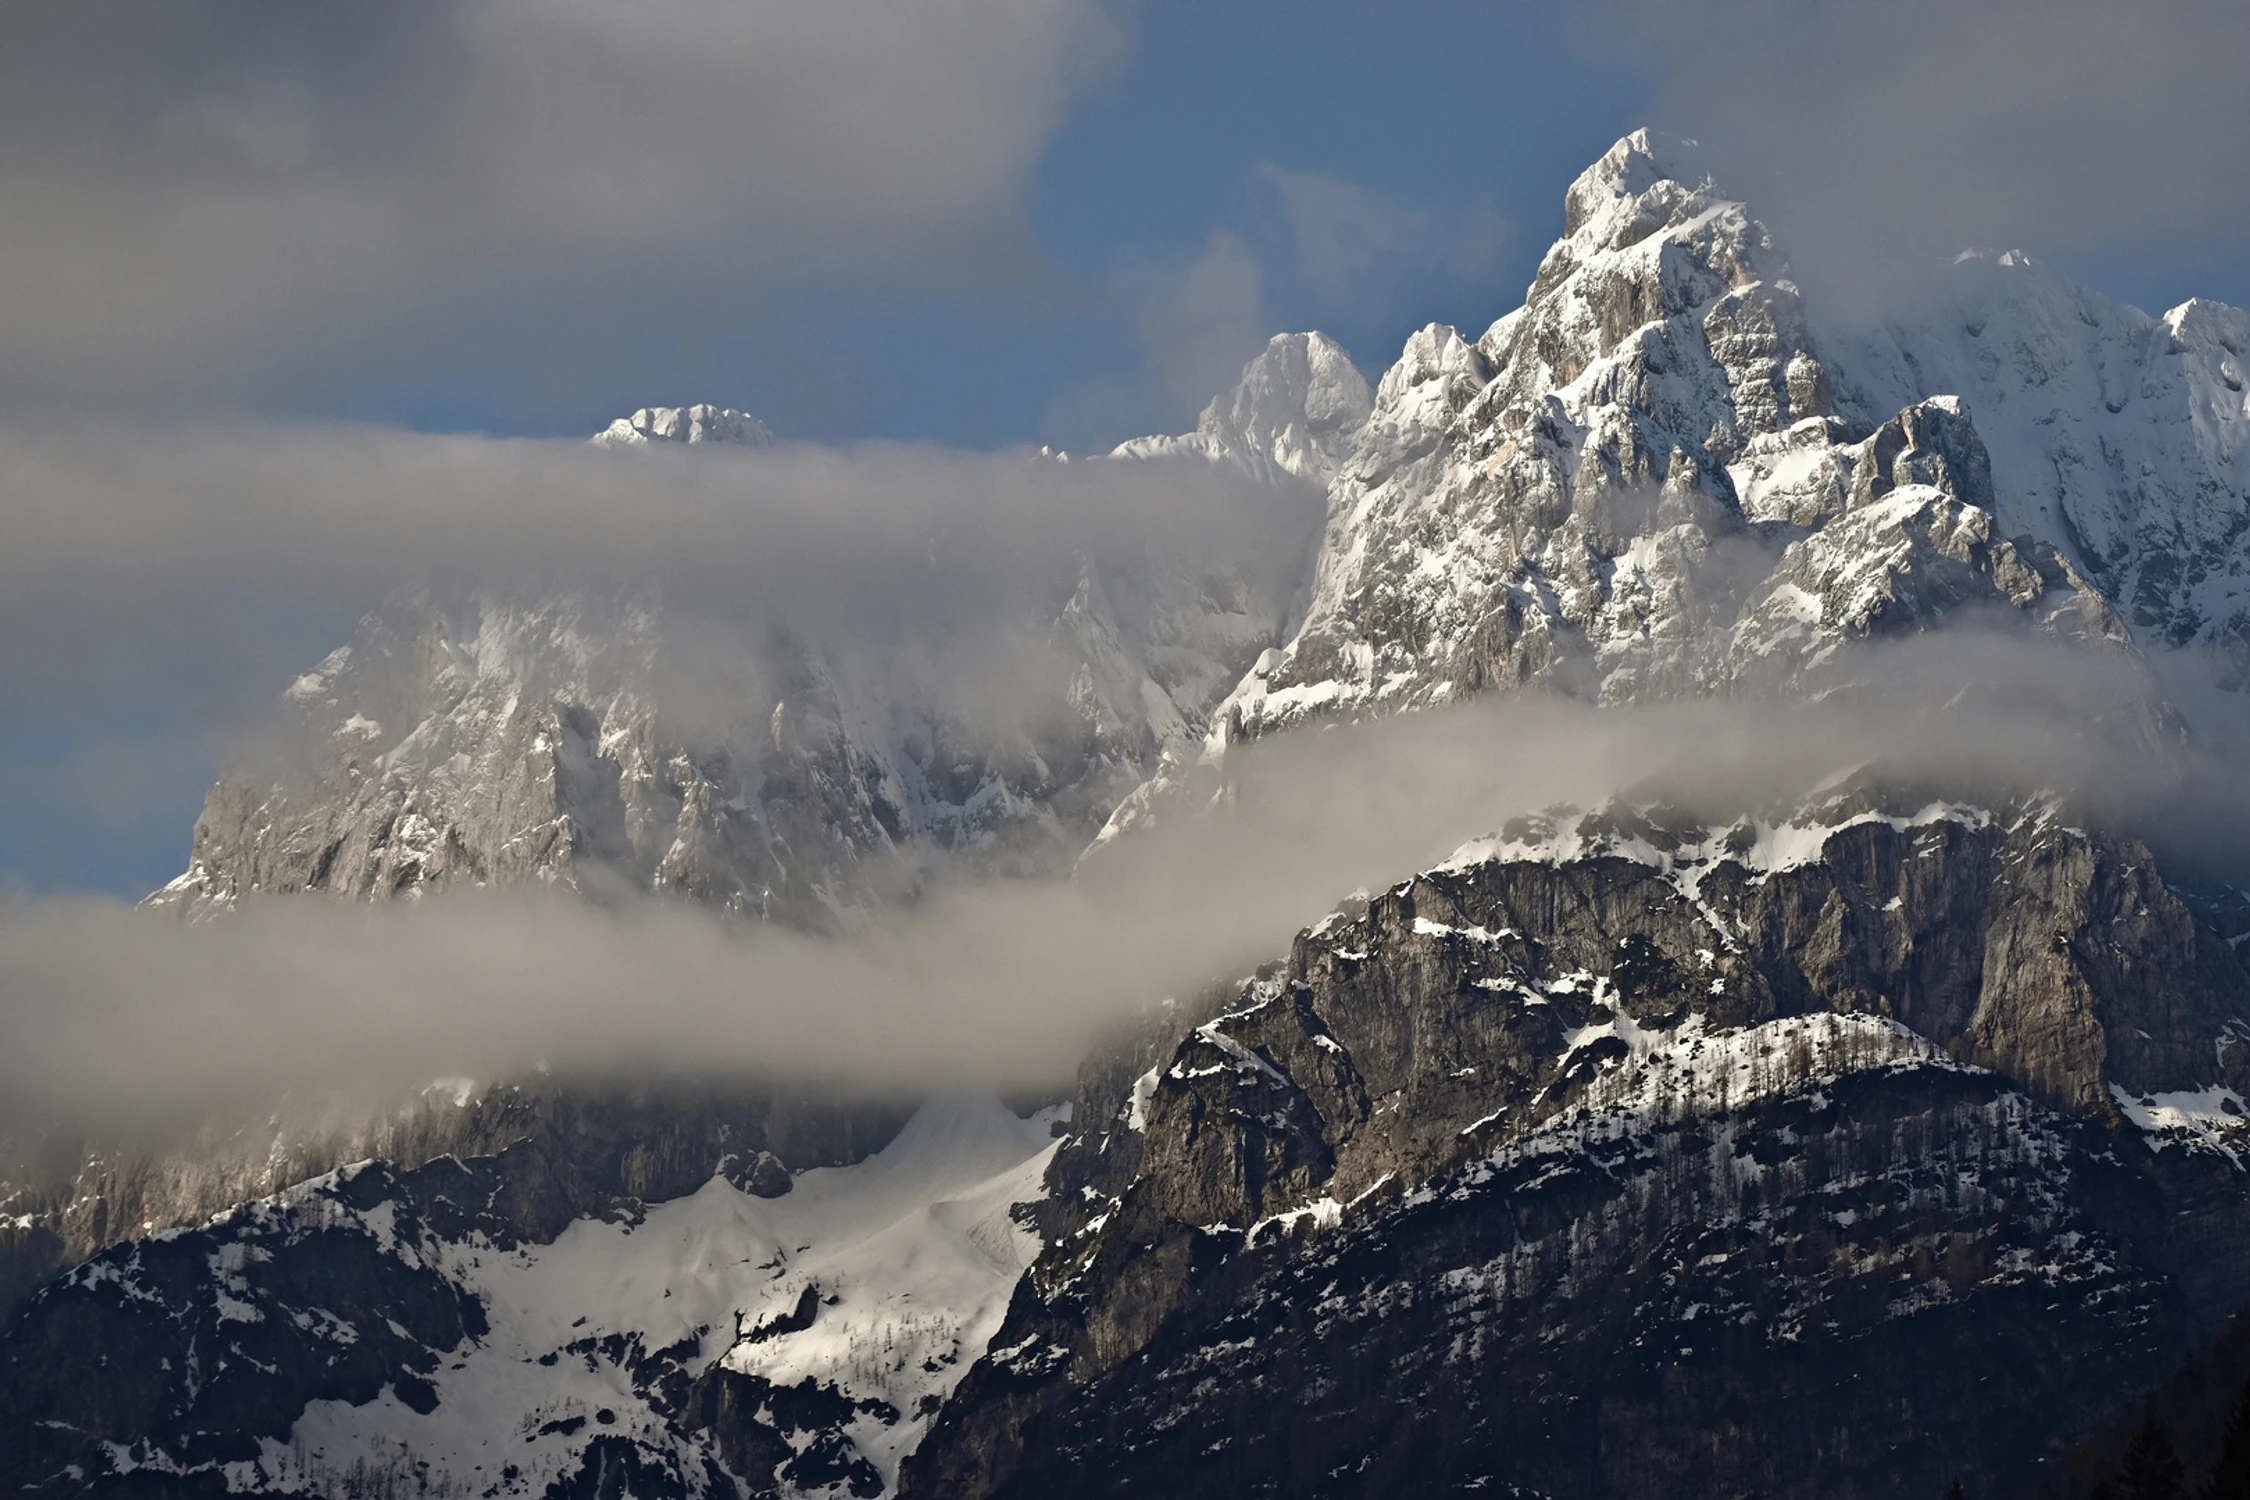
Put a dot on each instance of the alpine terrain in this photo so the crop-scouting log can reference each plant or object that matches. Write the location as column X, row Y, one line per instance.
column 1837, row 1145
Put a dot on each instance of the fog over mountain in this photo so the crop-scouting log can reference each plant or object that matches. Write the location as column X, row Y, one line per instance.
column 994, row 985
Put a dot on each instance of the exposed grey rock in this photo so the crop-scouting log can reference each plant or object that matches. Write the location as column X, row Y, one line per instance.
column 185, row 1348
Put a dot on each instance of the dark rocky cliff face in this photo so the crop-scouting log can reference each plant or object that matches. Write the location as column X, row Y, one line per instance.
column 1639, row 1158
column 1834, row 1152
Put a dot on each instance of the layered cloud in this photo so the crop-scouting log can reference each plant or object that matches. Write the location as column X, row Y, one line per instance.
column 200, row 570
column 161, row 587
column 110, row 1012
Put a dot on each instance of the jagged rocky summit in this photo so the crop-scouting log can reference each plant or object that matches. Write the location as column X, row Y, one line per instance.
column 1650, row 481
column 1840, row 1149
column 1547, row 500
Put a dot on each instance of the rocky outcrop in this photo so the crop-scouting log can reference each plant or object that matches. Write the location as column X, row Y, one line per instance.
column 511, row 1323
column 1542, row 504
column 170, row 1345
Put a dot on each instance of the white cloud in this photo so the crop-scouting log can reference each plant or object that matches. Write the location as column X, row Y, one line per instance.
column 108, row 1011
column 186, row 574
column 1880, row 137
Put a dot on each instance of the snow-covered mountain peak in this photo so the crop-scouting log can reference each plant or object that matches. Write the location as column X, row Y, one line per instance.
column 1649, row 480
column 479, row 735
column 2120, row 439
column 1301, row 401
column 1297, row 410
column 1527, row 506
column 1638, row 180
column 686, row 424
column 1576, row 498
column 1436, row 373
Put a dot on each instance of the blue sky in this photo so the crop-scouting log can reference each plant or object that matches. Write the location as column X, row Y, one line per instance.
column 1458, row 121
column 1063, row 223
column 1461, row 119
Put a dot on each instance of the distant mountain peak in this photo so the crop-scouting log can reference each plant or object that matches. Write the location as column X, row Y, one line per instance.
column 685, row 424
column 1302, row 378
column 1298, row 409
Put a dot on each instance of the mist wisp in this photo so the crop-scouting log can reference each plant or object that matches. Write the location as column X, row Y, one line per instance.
column 113, row 1013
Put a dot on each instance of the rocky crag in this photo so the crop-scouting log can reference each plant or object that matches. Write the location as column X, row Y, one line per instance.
column 580, row 1149
column 1834, row 1155
column 521, row 1322
column 1656, row 479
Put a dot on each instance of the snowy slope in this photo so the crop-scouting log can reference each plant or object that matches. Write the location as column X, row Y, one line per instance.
column 910, row 1255
column 2122, row 438
column 849, row 1306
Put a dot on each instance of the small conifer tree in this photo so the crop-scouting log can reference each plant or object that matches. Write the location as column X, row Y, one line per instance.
column 2230, row 1476
column 2151, row 1470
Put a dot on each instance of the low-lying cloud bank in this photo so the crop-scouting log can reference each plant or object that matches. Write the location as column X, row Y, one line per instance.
column 161, row 585
column 200, row 571
column 111, row 1013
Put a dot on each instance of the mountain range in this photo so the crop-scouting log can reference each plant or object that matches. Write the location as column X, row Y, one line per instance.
column 1842, row 1144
